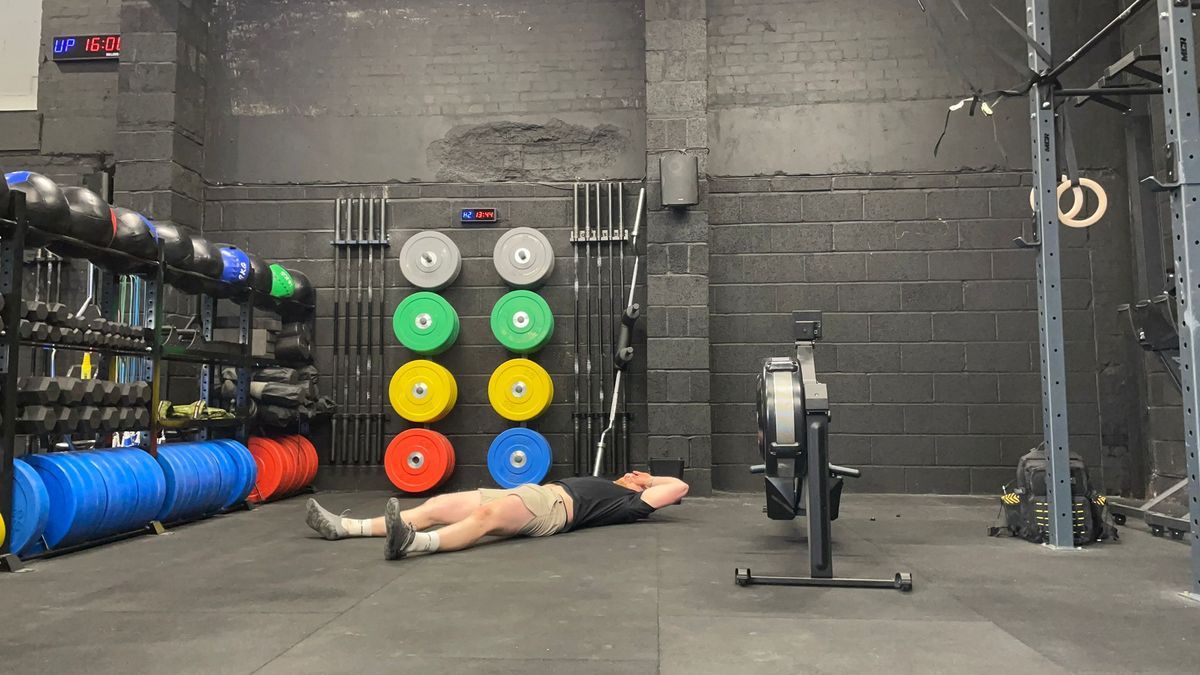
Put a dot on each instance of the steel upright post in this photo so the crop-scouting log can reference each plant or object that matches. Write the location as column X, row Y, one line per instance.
column 1182, row 130
column 1049, row 282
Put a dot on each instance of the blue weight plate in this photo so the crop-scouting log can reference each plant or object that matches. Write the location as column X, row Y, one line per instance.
column 193, row 502
column 152, row 485
column 210, row 478
column 95, row 496
column 519, row 456
column 63, row 486
column 142, row 485
column 251, row 469
column 118, row 501
column 238, row 478
column 73, row 509
column 149, row 481
column 179, row 482
column 228, row 472
column 30, row 507
column 158, row 485
column 243, row 453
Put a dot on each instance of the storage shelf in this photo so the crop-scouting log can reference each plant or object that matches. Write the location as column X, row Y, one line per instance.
column 241, row 296
column 147, row 268
column 116, row 351
column 203, row 356
column 18, row 237
column 176, row 424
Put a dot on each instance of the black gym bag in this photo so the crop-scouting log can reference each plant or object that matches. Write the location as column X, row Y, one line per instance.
column 1025, row 510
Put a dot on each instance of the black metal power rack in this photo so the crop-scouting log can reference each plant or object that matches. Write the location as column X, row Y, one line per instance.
column 13, row 228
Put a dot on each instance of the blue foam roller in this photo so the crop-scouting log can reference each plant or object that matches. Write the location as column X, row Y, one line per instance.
column 519, row 456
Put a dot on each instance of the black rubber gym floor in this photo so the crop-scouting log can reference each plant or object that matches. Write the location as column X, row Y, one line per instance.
column 257, row 592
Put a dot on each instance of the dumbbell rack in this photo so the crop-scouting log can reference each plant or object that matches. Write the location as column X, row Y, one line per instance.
column 156, row 353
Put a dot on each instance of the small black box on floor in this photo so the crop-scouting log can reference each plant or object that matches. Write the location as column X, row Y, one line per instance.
column 667, row 466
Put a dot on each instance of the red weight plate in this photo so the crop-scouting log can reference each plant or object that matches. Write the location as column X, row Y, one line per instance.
column 289, row 443
column 270, row 469
column 291, row 467
column 451, row 463
column 310, row 451
column 303, row 470
column 417, row 460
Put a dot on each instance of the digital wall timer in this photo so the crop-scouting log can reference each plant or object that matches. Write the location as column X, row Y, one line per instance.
column 478, row 216
column 86, row 47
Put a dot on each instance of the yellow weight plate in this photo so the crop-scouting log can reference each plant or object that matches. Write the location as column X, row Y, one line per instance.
column 423, row 391
column 2, row 531
column 520, row 390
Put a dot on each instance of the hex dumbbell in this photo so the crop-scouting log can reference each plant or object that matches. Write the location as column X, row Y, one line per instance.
column 36, row 310
column 110, row 419
column 33, row 391
column 88, row 419
column 34, row 330
column 139, row 394
column 56, row 313
column 38, row 419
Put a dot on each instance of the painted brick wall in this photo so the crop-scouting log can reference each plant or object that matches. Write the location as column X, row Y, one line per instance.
column 930, row 349
column 789, row 52
column 73, row 132
column 294, row 225
column 822, row 122
column 305, row 91
column 862, row 86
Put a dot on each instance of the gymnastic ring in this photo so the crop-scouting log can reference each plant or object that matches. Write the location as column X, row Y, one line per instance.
column 1076, row 192
column 1101, row 206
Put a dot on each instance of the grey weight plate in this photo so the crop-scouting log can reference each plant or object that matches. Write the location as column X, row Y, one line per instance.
column 524, row 257
column 430, row 260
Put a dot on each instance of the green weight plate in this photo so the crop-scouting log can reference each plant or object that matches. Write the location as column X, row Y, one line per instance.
column 522, row 322
column 425, row 323
column 282, row 285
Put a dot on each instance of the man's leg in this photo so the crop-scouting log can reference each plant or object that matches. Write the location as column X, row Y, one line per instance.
column 440, row 510
column 504, row 517
column 444, row 509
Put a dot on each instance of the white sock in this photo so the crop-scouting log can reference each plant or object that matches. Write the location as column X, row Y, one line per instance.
column 357, row 528
column 424, row 542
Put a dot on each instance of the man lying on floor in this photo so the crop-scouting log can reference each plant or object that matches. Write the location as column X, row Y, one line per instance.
column 530, row 510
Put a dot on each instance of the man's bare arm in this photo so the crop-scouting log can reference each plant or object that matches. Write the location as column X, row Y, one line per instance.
column 664, row 491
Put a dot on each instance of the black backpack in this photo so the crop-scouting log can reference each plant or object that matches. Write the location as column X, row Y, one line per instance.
column 1025, row 511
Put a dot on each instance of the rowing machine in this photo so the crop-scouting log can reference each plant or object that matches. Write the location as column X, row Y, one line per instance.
column 793, row 438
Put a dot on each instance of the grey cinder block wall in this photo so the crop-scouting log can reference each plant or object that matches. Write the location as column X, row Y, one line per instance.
column 73, row 131
column 814, row 123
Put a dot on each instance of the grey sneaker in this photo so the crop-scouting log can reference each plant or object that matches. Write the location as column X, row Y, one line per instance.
column 325, row 523
column 399, row 533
